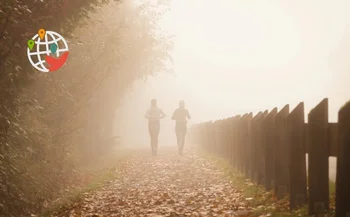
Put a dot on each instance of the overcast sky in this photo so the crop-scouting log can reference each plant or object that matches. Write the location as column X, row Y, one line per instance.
column 233, row 57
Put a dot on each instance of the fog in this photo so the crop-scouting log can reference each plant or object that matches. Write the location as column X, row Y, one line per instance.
column 234, row 57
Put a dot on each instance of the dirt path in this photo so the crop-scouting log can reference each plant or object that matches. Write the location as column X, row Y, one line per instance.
column 165, row 185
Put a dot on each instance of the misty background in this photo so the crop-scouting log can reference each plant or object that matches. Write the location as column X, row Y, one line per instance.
column 234, row 57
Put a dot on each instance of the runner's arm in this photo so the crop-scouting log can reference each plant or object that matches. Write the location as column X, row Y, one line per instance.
column 188, row 114
column 174, row 116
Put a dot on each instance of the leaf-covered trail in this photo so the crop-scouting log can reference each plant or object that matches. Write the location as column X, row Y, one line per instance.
column 165, row 185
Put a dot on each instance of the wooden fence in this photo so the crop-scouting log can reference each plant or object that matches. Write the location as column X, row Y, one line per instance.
column 270, row 147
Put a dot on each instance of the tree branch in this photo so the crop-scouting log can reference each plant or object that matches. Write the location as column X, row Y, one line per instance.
column 63, row 134
column 5, row 25
column 4, row 56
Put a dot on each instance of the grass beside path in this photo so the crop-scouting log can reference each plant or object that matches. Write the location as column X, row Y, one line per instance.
column 261, row 202
column 98, row 175
column 75, row 196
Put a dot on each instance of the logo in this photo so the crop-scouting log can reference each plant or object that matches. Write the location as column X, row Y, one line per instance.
column 47, row 51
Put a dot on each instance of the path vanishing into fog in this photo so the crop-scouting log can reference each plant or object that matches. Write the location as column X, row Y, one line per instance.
column 165, row 185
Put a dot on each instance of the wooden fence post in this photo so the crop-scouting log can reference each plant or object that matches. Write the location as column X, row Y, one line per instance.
column 261, row 150
column 208, row 135
column 235, row 132
column 231, row 150
column 208, row 142
column 228, row 138
column 198, row 134
column 226, row 131
column 297, row 162
column 203, row 136
column 254, row 146
column 212, row 138
column 247, row 144
column 269, row 149
column 241, row 145
column 343, row 164
column 214, row 132
column 217, row 137
column 282, row 152
column 222, row 138
column 318, row 158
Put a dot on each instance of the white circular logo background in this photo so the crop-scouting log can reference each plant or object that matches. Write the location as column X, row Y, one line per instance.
column 41, row 48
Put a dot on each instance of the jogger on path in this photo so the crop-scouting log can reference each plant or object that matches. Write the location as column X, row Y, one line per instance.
column 154, row 114
column 181, row 115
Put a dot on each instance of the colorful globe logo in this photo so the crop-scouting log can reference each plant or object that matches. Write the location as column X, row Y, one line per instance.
column 47, row 51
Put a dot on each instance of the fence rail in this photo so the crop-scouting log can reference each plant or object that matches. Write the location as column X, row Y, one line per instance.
column 270, row 147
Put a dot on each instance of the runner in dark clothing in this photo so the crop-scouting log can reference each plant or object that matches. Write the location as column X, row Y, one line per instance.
column 181, row 115
column 154, row 114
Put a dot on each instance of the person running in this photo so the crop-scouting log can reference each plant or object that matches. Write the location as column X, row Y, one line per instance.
column 181, row 115
column 154, row 114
